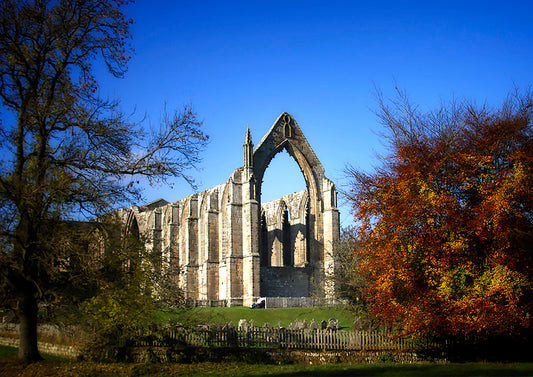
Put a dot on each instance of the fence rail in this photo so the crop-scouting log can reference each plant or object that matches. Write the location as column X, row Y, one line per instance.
column 272, row 302
column 279, row 338
column 302, row 302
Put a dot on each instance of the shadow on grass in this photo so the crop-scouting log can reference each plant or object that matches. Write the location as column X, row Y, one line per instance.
column 59, row 366
column 401, row 370
column 6, row 351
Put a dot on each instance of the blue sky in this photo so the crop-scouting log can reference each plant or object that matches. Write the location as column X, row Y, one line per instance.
column 243, row 63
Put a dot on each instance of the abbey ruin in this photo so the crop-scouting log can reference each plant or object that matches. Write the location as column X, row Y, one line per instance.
column 230, row 246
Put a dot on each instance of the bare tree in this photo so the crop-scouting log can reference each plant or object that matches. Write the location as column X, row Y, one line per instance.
column 64, row 151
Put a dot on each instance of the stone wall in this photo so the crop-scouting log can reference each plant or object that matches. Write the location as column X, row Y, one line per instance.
column 68, row 351
column 285, row 231
column 261, row 356
column 286, row 281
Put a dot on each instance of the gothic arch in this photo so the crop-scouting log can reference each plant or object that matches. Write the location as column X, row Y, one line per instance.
column 303, row 206
column 225, row 226
column 299, row 149
column 295, row 143
column 282, row 247
column 282, row 207
column 131, row 240
column 99, row 241
column 132, row 226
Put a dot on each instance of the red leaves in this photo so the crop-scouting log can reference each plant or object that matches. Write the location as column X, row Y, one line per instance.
column 447, row 221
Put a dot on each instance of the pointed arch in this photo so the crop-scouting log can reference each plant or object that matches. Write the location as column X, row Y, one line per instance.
column 130, row 218
column 298, row 148
column 131, row 242
column 98, row 242
column 225, row 224
column 132, row 227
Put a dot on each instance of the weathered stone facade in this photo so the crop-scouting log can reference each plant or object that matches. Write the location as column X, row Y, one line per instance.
column 229, row 246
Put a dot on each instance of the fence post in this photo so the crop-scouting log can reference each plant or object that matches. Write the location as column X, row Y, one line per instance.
column 277, row 337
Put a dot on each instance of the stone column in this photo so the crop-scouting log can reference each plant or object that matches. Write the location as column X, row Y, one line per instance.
column 251, row 229
column 234, row 276
column 191, row 245
column 331, row 228
column 212, row 249
column 250, row 240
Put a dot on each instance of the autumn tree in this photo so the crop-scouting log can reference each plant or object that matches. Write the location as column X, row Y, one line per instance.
column 446, row 220
column 66, row 152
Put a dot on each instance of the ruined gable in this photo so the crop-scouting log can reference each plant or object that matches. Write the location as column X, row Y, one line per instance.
column 232, row 248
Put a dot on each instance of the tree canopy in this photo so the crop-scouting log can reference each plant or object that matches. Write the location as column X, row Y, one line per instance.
column 446, row 220
column 64, row 150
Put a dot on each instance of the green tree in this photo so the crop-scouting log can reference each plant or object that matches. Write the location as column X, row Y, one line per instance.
column 65, row 152
column 348, row 283
column 124, row 285
column 121, row 279
column 446, row 221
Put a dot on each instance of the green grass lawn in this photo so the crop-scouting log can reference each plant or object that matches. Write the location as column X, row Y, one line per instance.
column 11, row 352
column 7, row 351
column 9, row 367
column 260, row 316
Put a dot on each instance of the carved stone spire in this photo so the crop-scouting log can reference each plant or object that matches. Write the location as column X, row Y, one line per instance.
column 248, row 150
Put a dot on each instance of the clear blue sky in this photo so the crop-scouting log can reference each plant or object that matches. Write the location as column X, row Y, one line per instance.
column 242, row 63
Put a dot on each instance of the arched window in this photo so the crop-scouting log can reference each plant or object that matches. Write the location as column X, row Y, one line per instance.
column 287, row 126
column 132, row 247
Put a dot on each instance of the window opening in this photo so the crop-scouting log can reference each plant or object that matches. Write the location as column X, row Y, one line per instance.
column 282, row 177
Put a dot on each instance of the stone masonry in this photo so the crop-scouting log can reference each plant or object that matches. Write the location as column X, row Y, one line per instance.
column 230, row 246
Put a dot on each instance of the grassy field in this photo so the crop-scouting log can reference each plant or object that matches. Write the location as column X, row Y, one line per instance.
column 9, row 367
column 260, row 316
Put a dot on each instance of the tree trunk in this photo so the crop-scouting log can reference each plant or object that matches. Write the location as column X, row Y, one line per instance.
column 28, row 352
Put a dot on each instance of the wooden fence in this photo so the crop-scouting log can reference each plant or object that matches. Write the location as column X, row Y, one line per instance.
column 279, row 338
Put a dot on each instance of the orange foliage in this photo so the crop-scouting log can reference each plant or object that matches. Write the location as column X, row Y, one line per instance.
column 446, row 223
